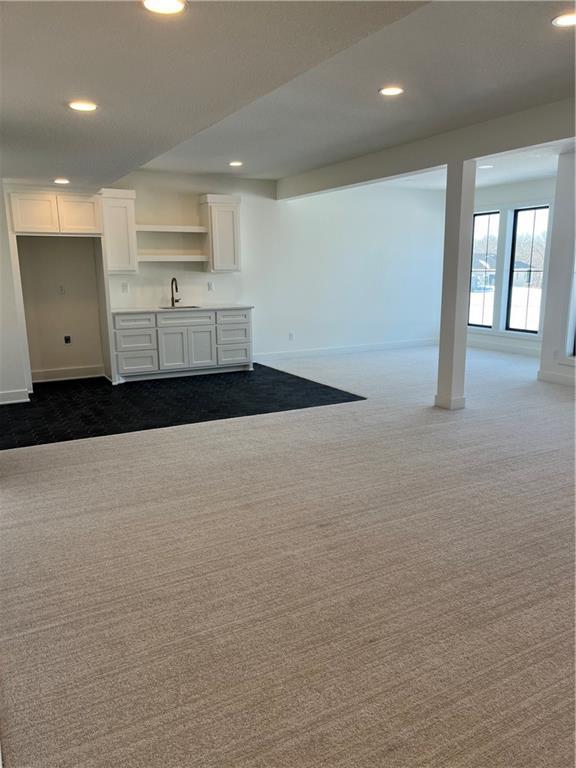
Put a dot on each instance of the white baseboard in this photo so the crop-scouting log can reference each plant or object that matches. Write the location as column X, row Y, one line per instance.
column 158, row 375
column 553, row 377
column 57, row 374
column 376, row 347
column 499, row 343
column 14, row 396
column 450, row 403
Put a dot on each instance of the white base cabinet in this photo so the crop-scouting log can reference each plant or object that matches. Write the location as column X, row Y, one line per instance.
column 186, row 347
column 173, row 352
column 202, row 347
column 183, row 340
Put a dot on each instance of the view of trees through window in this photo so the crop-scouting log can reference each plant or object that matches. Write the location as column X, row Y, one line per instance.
column 527, row 269
column 524, row 296
column 483, row 274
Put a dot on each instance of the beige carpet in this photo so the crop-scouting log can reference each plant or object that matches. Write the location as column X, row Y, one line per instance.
column 380, row 584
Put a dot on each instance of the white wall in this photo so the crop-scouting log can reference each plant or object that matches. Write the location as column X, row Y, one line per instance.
column 359, row 267
column 534, row 192
column 352, row 268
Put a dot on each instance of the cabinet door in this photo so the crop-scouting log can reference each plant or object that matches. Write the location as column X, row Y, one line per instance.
column 173, row 348
column 34, row 212
column 119, row 234
column 202, row 347
column 79, row 214
column 225, row 237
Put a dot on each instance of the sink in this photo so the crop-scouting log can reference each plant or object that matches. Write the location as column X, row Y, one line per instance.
column 183, row 306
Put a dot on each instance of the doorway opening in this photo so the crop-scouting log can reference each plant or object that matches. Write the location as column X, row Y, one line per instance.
column 64, row 305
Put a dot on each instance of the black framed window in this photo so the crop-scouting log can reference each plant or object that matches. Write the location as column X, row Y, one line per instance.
column 527, row 269
column 483, row 272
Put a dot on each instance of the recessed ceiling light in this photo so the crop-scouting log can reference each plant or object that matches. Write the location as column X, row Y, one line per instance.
column 236, row 163
column 565, row 20
column 83, row 106
column 391, row 90
column 61, row 180
column 166, row 7
column 485, row 167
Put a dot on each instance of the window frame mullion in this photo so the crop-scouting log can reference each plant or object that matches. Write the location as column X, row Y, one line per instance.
column 502, row 266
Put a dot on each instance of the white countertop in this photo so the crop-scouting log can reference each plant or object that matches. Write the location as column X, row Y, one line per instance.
column 177, row 308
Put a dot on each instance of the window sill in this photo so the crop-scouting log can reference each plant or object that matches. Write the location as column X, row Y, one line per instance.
column 514, row 342
column 533, row 338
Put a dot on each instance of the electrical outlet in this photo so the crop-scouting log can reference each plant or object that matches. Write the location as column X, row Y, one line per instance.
column 210, row 285
column 125, row 286
column 291, row 336
column 61, row 290
column 67, row 339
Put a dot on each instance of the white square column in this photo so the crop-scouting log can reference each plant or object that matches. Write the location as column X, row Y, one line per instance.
column 557, row 361
column 456, row 283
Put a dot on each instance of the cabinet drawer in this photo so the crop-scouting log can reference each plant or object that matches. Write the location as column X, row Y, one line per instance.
column 135, row 320
column 135, row 339
column 234, row 354
column 137, row 362
column 166, row 319
column 232, row 334
column 233, row 316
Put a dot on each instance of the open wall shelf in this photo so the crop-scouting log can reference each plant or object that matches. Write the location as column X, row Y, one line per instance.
column 167, row 256
column 165, row 243
column 183, row 228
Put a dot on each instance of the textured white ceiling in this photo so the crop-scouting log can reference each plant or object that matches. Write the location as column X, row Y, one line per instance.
column 460, row 63
column 158, row 80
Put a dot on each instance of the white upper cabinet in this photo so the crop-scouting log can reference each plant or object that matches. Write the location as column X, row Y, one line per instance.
column 221, row 215
column 48, row 212
column 119, row 230
column 34, row 212
column 79, row 214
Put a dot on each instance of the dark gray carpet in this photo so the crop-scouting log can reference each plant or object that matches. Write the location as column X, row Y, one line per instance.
column 71, row 410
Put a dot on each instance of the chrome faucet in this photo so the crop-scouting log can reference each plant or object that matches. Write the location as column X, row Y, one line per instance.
column 173, row 288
